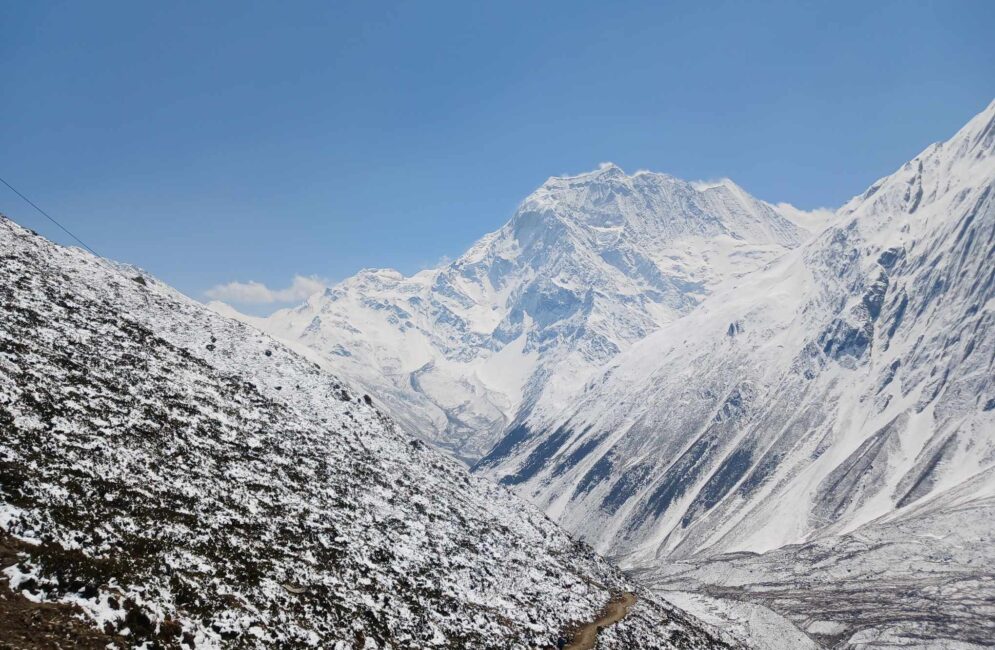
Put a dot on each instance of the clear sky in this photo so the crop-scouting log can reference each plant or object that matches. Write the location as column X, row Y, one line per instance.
column 218, row 142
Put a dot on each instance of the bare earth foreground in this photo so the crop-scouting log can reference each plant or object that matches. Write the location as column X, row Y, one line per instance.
column 28, row 625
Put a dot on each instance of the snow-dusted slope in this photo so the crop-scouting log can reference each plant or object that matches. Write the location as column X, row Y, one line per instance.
column 844, row 381
column 588, row 265
column 181, row 477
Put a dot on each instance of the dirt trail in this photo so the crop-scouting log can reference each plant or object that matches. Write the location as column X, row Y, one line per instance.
column 617, row 608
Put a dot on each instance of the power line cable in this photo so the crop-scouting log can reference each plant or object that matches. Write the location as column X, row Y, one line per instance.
column 82, row 243
column 49, row 217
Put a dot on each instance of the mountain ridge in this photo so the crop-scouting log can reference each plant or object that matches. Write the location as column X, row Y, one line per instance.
column 841, row 286
column 816, row 438
column 587, row 265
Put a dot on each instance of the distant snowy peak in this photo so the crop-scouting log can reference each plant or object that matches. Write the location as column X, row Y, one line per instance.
column 586, row 266
column 660, row 205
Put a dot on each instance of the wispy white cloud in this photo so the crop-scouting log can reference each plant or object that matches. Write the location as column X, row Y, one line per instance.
column 257, row 293
column 812, row 220
column 707, row 184
column 428, row 265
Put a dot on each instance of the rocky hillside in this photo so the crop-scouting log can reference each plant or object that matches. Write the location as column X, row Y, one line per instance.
column 178, row 478
column 586, row 266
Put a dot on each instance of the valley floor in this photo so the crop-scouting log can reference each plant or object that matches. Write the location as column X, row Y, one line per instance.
column 926, row 580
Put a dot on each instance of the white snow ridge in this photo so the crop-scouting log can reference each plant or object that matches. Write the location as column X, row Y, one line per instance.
column 837, row 404
column 587, row 266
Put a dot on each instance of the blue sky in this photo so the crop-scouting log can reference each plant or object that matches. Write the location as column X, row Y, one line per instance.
column 258, row 141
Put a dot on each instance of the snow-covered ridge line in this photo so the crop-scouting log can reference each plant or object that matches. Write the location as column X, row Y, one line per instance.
column 587, row 265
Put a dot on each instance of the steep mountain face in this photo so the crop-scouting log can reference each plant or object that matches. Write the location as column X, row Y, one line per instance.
column 587, row 266
column 179, row 478
column 845, row 381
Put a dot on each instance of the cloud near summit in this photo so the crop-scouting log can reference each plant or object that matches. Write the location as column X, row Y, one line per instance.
column 257, row 293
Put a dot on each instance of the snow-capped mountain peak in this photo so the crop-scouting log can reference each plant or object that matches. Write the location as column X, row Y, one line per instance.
column 817, row 436
column 850, row 378
column 587, row 265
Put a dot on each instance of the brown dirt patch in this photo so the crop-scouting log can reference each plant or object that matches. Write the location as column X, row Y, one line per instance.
column 25, row 625
column 585, row 636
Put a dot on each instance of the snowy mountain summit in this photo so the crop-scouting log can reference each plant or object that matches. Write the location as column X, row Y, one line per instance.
column 586, row 266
